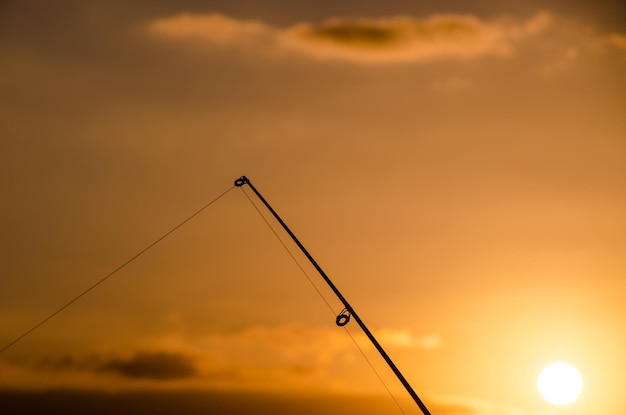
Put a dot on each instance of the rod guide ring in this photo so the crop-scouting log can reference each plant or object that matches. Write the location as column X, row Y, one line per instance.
column 343, row 318
column 241, row 181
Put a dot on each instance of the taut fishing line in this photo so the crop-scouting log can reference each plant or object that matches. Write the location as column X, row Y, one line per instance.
column 342, row 319
column 115, row 271
column 324, row 299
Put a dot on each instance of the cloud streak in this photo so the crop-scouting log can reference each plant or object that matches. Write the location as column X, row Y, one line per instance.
column 618, row 40
column 283, row 357
column 156, row 366
column 463, row 405
column 392, row 40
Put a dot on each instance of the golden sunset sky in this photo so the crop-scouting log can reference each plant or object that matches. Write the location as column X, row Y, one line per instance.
column 458, row 168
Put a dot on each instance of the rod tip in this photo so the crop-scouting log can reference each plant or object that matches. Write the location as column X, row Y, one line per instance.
column 241, row 181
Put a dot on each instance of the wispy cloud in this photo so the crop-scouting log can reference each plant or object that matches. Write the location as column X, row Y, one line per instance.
column 156, row 366
column 213, row 28
column 258, row 357
column 289, row 356
column 464, row 405
column 159, row 366
column 618, row 40
column 393, row 39
column 406, row 339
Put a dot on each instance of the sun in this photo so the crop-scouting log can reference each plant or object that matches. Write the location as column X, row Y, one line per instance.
column 560, row 383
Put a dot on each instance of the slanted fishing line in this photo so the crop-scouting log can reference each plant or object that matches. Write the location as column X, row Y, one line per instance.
column 115, row 271
column 324, row 299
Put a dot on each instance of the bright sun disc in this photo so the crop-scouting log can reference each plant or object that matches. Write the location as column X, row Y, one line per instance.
column 560, row 383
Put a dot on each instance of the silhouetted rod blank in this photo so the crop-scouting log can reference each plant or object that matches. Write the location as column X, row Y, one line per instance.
column 344, row 317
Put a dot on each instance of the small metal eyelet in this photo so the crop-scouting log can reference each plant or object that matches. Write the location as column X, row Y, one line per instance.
column 343, row 318
column 241, row 181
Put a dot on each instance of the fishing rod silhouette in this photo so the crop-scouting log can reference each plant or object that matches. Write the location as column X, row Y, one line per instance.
column 344, row 317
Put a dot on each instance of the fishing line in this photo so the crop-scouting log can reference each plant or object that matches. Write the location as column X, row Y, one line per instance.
column 115, row 271
column 289, row 252
column 324, row 299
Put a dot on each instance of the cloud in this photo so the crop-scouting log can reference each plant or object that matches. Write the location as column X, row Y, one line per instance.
column 259, row 359
column 213, row 28
column 88, row 370
column 393, row 39
column 300, row 344
column 156, row 366
column 464, row 405
column 406, row 339
column 60, row 363
column 281, row 357
column 403, row 39
column 290, row 356
column 618, row 40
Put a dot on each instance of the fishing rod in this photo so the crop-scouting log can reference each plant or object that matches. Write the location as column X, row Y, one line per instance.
column 344, row 317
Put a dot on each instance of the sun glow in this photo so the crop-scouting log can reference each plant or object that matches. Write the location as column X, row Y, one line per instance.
column 560, row 383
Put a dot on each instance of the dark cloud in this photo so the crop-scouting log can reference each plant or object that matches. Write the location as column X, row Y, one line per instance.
column 385, row 39
column 157, row 366
column 357, row 32
column 63, row 363
column 142, row 365
column 56, row 364
column 384, row 32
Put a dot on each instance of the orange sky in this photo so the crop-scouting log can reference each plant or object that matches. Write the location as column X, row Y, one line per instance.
column 458, row 170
